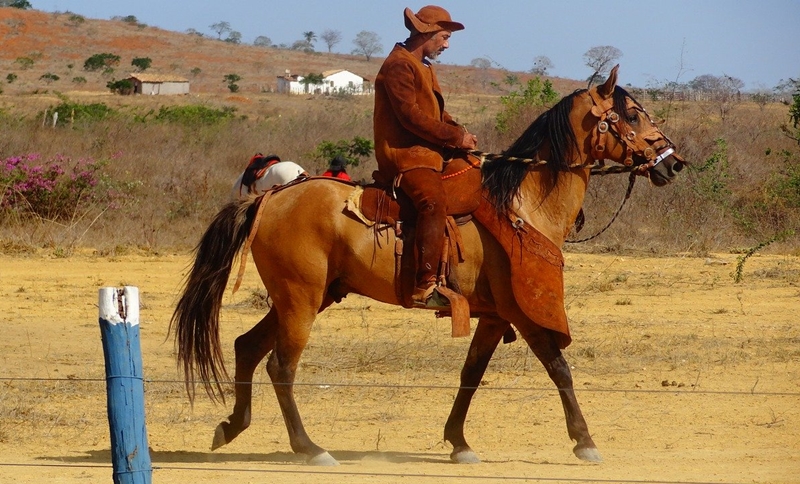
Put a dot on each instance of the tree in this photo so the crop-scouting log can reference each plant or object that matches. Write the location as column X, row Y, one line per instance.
column 311, row 80
column 367, row 44
column 191, row 31
column 142, row 63
column 601, row 59
column 331, row 38
column 263, row 41
column 21, row 4
column 793, row 130
column 232, row 79
column 481, row 63
column 310, row 37
column 101, row 61
column 220, row 28
column 540, row 65
column 234, row 37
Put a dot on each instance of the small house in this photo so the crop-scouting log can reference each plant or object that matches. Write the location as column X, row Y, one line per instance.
column 146, row 83
column 337, row 81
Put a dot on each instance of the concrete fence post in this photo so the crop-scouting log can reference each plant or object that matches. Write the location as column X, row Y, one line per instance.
column 119, row 328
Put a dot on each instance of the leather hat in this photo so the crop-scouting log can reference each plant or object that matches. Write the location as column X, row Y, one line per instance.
column 430, row 19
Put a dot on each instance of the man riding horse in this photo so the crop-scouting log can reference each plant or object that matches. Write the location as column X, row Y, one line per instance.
column 415, row 137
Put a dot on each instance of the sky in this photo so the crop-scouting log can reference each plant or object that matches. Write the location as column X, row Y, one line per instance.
column 756, row 41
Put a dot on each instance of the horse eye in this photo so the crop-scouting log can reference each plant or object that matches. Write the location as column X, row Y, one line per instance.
column 633, row 117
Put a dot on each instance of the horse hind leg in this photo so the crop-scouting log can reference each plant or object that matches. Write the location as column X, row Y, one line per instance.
column 484, row 342
column 250, row 348
column 543, row 344
column 292, row 336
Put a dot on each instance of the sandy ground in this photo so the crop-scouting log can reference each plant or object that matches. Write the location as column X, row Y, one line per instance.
column 683, row 376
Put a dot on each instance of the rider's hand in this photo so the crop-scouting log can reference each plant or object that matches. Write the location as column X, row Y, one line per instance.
column 469, row 141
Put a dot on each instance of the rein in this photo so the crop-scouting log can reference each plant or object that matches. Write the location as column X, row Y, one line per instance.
column 631, row 181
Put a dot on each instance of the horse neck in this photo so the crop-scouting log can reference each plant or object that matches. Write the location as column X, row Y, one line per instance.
column 552, row 208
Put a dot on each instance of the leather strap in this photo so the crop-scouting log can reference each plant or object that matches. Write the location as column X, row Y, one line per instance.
column 262, row 202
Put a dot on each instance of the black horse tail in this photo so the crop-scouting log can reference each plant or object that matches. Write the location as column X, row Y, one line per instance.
column 196, row 317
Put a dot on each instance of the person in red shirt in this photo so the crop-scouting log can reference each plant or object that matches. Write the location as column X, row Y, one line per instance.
column 337, row 169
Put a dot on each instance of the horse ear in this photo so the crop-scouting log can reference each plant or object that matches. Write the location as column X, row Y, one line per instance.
column 608, row 87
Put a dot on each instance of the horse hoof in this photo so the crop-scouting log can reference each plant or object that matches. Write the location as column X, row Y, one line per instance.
column 323, row 459
column 219, row 437
column 466, row 456
column 589, row 454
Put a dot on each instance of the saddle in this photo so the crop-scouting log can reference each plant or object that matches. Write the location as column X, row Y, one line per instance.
column 536, row 263
column 379, row 205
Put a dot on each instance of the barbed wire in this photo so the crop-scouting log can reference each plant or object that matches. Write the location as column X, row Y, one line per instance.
column 325, row 385
column 404, row 475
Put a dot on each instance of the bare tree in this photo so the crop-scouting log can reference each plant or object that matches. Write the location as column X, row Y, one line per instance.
column 601, row 59
column 367, row 44
column 481, row 63
column 263, row 41
column 220, row 28
column 331, row 38
column 540, row 65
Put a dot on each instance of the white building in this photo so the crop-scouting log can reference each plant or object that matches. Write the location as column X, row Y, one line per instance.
column 146, row 83
column 337, row 81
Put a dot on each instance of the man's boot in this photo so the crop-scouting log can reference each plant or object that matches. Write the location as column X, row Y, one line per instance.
column 429, row 239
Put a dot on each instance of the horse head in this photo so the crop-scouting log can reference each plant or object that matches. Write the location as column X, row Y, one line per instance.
column 626, row 133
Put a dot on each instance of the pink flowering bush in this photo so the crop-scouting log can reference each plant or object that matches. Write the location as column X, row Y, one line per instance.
column 56, row 189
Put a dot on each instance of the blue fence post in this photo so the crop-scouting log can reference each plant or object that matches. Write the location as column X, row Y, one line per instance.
column 119, row 328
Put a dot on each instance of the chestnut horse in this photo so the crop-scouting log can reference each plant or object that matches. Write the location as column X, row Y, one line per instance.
column 310, row 253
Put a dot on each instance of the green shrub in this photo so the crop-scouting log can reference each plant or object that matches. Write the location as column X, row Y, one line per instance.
column 82, row 112
column 194, row 114
column 24, row 63
column 11, row 77
column 353, row 151
column 49, row 77
column 123, row 86
column 535, row 94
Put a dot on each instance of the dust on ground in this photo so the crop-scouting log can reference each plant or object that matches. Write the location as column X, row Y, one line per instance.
column 682, row 375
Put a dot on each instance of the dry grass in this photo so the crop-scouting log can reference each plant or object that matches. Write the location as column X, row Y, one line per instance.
column 177, row 177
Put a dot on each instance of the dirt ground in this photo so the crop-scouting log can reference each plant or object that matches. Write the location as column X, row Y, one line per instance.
column 683, row 376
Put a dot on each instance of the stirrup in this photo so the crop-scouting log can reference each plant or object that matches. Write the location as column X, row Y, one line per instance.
column 431, row 299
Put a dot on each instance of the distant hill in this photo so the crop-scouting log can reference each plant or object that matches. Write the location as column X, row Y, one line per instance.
column 37, row 43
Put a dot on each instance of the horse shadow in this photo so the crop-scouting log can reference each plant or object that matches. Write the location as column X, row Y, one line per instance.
column 290, row 458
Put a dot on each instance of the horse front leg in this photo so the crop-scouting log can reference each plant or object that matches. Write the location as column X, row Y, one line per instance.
column 484, row 342
column 250, row 347
column 543, row 344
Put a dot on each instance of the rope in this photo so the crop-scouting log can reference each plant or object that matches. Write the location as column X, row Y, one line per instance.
column 596, row 168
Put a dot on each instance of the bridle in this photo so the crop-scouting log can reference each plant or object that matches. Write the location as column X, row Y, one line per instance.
column 639, row 144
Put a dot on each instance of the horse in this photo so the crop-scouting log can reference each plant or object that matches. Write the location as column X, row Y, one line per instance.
column 310, row 253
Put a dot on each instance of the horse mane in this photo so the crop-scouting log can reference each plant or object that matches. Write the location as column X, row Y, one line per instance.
column 502, row 179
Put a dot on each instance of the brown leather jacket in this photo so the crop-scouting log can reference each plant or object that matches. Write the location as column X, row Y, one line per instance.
column 411, row 127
